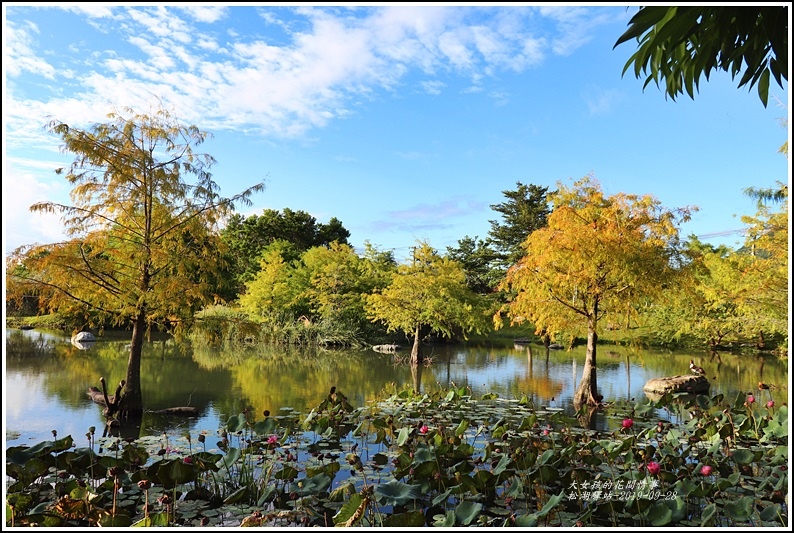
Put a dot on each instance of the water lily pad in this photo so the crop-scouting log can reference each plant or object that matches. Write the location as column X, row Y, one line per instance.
column 396, row 492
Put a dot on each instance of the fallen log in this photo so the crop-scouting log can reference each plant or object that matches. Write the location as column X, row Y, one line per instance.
column 177, row 411
column 97, row 396
column 386, row 348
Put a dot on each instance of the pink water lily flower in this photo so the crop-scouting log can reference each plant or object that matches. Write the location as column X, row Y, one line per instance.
column 654, row 468
column 272, row 439
column 627, row 423
column 424, row 429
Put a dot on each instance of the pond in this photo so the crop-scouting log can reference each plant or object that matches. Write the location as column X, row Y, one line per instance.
column 46, row 378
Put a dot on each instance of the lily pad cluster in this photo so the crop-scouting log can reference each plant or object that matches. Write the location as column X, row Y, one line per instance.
column 441, row 458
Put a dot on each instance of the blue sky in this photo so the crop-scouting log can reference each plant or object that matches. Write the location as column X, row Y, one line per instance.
column 405, row 122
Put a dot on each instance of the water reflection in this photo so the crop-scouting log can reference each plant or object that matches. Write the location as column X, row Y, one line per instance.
column 47, row 378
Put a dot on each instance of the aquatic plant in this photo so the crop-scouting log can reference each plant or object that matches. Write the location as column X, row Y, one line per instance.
column 440, row 458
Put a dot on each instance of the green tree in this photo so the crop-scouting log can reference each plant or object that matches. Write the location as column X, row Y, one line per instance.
column 486, row 261
column 247, row 237
column 703, row 305
column 430, row 292
column 142, row 250
column 777, row 195
column 336, row 282
column 524, row 211
column 679, row 44
column 599, row 256
column 478, row 260
column 278, row 291
column 327, row 285
column 378, row 267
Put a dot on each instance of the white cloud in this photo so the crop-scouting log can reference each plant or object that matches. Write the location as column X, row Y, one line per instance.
column 433, row 87
column 575, row 25
column 600, row 101
column 205, row 13
column 90, row 9
column 334, row 58
column 21, row 190
column 161, row 22
column 18, row 56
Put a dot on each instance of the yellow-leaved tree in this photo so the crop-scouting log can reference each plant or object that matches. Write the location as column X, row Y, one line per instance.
column 764, row 295
column 143, row 249
column 598, row 256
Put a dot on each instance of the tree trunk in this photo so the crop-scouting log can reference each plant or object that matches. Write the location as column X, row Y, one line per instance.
column 416, row 374
column 546, row 338
column 416, row 350
column 587, row 392
column 132, row 398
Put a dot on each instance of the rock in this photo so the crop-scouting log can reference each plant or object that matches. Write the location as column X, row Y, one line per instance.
column 83, row 340
column 692, row 384
column 83, row 336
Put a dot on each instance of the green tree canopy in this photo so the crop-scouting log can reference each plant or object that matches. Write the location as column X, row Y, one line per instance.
column 324, row 284
column 278, row 290
column 429, row 292
column 524, row 211
column 703, row 305
column 142, row 249
column 486, row 261
column 479, row 263
column 599, row 256
column 679, row 44
column 247, row 237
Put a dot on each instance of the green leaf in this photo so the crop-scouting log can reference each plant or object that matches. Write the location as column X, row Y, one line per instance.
column 462, row 427
column 660, row 514
column 403, row 436
column 286, row 473
column 423, row 454
column 763, row 87
column 553, row 502
column 444, row 520
column 708, row 515
column 396, row 492
column 527, row 520
column 176, row 471
column 743, row 456
column 118, row 520
column 504, row 462
column 231, row 457
column 546, row 457
column 310, row 486
column 236, row 496
column 467, row 511
column 404, row 520
column 265, row 427
column 236, row 423
column 442, row 497
column 339, row 493
column 348, row 509
column 771, row 513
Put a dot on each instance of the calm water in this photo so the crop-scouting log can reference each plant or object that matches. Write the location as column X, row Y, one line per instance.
column 46, row 379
